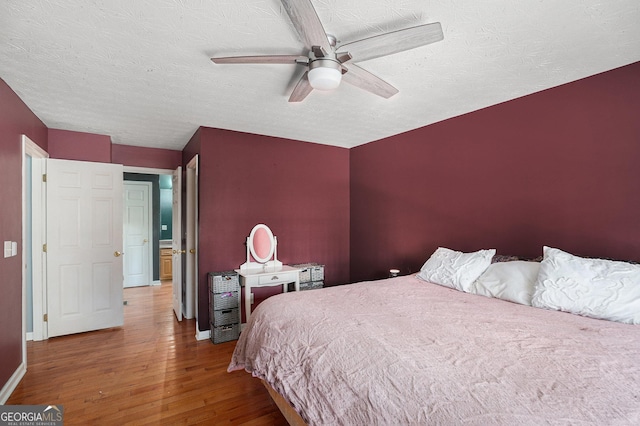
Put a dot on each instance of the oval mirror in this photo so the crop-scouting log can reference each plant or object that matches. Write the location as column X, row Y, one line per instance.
column 261, row 243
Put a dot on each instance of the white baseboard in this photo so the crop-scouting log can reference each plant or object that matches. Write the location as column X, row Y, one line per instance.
column 156, row 282
column 203, row 335
column 29, row 336
column 12, row 383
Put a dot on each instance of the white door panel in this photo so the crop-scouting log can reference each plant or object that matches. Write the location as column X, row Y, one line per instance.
column 84, row 238
column 176, row 243
column 137, row 234
column 190, row 293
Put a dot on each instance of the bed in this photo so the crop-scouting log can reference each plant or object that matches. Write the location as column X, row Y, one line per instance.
column 407, row 351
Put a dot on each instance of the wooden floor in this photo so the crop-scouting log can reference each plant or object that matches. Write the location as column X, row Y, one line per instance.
column 151, row 371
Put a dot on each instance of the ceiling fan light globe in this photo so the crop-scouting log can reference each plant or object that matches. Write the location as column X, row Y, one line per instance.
column 322, row 78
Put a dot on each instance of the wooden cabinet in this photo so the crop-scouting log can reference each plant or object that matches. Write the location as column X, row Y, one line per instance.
column 166, row 264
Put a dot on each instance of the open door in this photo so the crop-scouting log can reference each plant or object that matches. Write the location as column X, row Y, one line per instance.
column 191, row 283
column 84, row 244
column 176, row 243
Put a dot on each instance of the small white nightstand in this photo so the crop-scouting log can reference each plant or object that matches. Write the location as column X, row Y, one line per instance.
column 266, row 277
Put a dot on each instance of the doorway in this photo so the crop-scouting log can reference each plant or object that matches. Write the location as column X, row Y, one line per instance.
column 161, row 214
column 165, row 231
column 34, row 237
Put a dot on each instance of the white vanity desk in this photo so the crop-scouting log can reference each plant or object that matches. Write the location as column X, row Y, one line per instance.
column 262, row 268
column 266, row 276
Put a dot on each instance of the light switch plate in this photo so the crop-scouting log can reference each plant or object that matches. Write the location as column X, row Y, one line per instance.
column 164, row 228
column 7, row 249
column 14, row 248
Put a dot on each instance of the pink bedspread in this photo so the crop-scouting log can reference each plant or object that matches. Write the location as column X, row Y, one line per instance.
column 402, row 351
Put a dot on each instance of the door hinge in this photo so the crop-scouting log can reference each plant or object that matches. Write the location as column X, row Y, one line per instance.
column 44, row 177
column 44, row 248
column 45, row 317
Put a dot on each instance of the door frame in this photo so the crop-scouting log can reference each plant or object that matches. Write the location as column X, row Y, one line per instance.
column 149, row 185
column 148, row 171
column 38, row 237
column 193, row 278
column 153, row 171
column 190, row 302
column 176, row 243
column 27, row 148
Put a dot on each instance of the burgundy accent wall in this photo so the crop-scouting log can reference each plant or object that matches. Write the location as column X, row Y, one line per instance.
column 154, row 158
column 560, row 168
column 300, row 190
column 80, row 146
column 16, row 119
column 192, row 148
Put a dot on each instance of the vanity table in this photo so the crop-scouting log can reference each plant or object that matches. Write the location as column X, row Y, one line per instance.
column 266, row 276
column 262, row 268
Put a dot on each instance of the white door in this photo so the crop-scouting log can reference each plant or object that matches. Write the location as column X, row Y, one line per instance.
column 191, row 288
column 84, row 244
column 176, row 243
column 137, row 233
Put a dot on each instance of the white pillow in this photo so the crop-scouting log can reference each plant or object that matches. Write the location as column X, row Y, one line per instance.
column 513, row 281
column 594, row 288
column 455, row 269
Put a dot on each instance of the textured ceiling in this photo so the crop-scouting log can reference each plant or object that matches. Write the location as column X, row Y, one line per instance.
column 140, row 71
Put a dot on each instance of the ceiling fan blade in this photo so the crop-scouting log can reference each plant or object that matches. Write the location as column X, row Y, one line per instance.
column 307, row 24
column 261, row 59
column 393, row 42
column 363, row 79
column 302, row 89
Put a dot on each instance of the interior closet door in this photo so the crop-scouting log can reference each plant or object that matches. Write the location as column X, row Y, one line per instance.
column 84, row 244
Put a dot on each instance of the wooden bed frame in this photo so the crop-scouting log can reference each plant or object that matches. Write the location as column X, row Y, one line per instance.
column 292, row 416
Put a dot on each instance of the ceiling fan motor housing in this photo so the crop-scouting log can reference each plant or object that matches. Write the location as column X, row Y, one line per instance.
column 324, row 73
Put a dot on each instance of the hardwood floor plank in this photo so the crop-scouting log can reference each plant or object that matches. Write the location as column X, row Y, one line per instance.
column 150, row 371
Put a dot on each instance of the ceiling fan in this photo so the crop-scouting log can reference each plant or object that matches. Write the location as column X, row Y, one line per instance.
column 329, row 64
